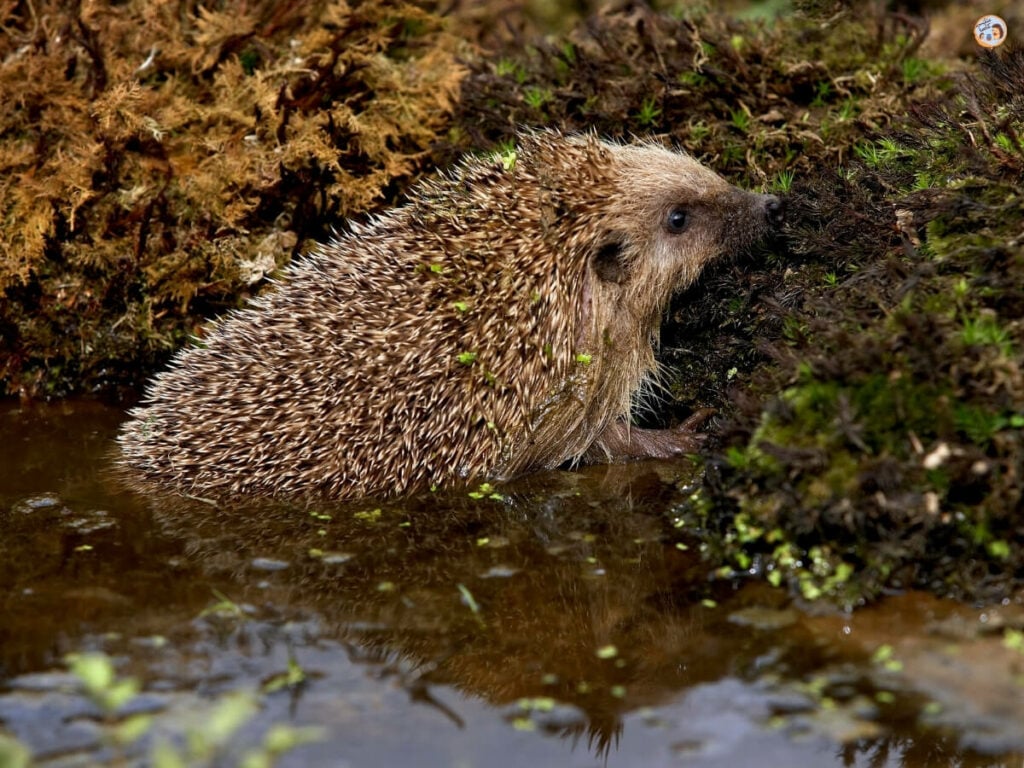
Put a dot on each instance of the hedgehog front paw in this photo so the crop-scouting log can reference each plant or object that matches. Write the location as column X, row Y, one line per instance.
column 687, row 436
column 620, row 441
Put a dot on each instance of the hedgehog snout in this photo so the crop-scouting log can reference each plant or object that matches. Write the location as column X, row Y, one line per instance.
column 775, row 210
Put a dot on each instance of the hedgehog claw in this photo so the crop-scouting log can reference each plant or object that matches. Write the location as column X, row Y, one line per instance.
column 621, row 442
column 695, row 421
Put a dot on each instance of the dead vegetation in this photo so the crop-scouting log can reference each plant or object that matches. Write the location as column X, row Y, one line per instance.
column 157, row 159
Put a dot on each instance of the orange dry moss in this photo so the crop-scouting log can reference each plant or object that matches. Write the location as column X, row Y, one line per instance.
column 156, row 158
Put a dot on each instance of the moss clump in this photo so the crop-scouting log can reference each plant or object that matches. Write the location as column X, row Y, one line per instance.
column 156, row 162
column 893, row 456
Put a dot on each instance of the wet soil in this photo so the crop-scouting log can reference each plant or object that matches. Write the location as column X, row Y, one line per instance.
column 563, row 621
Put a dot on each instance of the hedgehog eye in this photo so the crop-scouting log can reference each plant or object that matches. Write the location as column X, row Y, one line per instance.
column 677, row 220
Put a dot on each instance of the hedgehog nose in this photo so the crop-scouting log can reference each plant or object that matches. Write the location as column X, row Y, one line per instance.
column 775, row 209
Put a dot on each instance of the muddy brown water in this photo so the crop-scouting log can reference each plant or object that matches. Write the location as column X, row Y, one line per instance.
column 564, row 622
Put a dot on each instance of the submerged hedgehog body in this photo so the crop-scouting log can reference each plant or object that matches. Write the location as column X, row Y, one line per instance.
column 497, row 323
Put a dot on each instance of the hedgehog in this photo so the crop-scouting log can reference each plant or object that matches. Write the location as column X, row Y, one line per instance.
column 500, row 321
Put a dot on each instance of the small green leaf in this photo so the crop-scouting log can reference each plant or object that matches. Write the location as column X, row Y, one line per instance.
column 94, row 670
column 131, row 729
column 607, row 652
column 882, row 654
column 165, row 756
column 230, row 714
column 468, row 599
column 282, row 738
column 14, row 754
column 999, row 549
column 121, row 693
column 1013, row 640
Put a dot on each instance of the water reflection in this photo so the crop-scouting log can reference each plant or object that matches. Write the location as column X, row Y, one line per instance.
column 573, row 591
column 568, row 604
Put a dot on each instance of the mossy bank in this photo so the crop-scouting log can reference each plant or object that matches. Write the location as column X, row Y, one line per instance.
column 866, row 367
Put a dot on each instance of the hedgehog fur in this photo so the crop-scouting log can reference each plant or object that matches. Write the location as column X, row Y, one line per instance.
column 497, row 323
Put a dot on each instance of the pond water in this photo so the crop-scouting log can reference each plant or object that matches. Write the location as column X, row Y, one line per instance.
column 561, row 621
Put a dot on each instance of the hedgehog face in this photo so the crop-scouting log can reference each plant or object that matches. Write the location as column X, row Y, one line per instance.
column 675, row 217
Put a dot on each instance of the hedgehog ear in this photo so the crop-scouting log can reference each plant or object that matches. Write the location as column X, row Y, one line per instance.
column 609, row 258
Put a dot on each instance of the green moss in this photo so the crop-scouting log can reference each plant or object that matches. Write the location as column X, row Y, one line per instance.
column 885, row 458
column 649, row 112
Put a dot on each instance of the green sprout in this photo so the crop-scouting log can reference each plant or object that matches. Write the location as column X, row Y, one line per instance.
column 537, row 97
column 649, row 112
column 740, row 119
column 985, row 330
column 822, row 91
column 784, row 181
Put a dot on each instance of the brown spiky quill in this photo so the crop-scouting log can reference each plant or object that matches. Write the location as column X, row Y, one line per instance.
column 497, row 323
